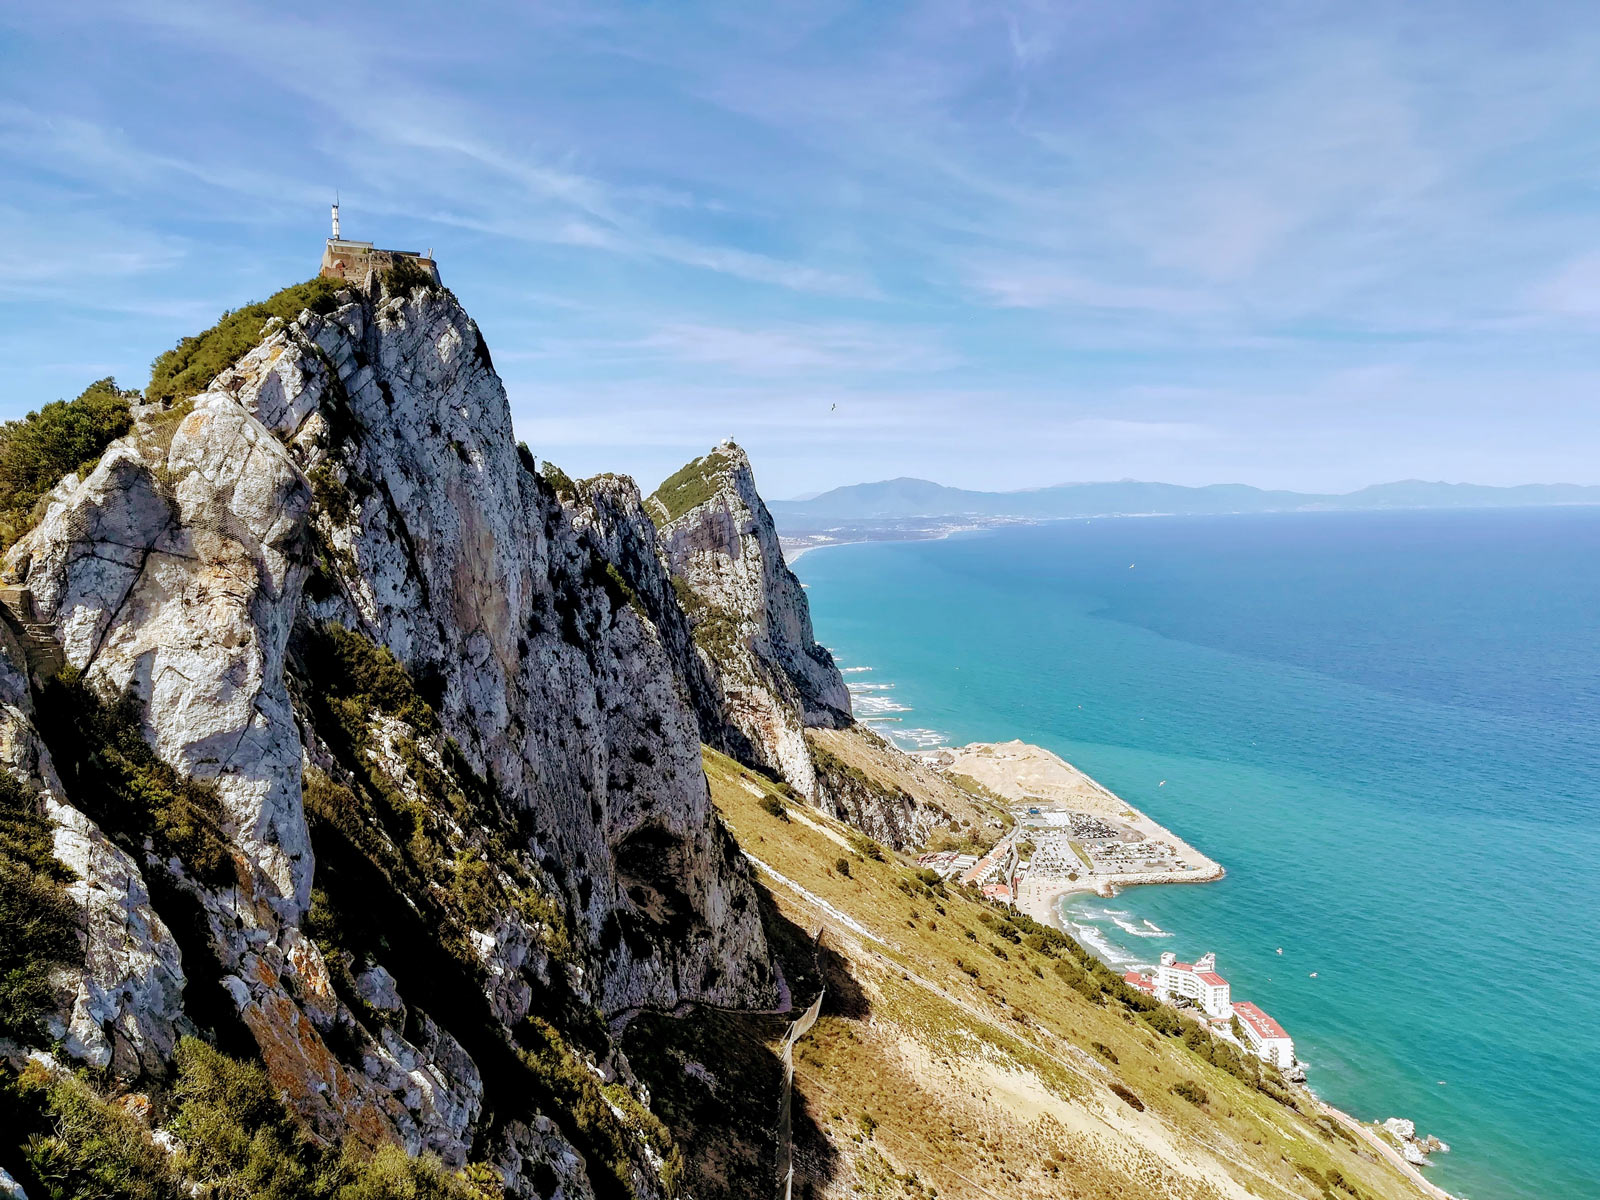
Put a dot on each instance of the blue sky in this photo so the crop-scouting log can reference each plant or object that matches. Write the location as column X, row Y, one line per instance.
column 1300, row 244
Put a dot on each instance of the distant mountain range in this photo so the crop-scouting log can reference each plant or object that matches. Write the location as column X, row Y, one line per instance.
column 903, row 498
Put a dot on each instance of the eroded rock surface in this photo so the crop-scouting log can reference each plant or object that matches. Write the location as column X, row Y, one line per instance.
column 533, row 720
column 751, row 623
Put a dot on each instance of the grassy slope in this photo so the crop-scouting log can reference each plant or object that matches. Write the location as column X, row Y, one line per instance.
column 922, row 1078
column 689, row 487
column 860, row 748
column 190, row 366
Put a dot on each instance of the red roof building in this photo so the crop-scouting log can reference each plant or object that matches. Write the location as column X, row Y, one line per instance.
column 1265, row 1036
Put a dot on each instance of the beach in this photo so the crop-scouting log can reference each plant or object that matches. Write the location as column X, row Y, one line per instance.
column 1055, row 803
column 1330, row 699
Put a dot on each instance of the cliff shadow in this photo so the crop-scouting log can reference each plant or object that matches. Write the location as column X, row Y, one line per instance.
column 716, row 1076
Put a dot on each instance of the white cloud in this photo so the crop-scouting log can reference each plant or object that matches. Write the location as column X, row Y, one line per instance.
column 825, row 347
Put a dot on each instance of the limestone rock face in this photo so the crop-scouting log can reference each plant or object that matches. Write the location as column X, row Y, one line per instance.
column 172, row 569
column 357, row 469
column 122, row 1007
column 863, row 781
column 609, row 507
column 752, row 625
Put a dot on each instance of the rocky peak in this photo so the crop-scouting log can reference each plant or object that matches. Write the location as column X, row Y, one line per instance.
column 750, row 618
column 424, row 735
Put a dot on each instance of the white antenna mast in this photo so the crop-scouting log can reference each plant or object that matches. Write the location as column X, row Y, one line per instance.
column 336, row 216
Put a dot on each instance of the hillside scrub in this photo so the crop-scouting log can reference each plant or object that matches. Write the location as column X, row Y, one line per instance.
column 113, row 773
column 38, row 921
column 39, row 450
column 689, row 487
column 984, row 1061
column 238, row 1142
column 189, row 367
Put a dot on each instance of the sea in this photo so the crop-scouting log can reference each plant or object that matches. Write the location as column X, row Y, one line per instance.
column 1386, row 726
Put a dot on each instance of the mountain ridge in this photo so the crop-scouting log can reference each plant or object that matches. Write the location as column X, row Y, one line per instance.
column 364, row 835
column 908, row 497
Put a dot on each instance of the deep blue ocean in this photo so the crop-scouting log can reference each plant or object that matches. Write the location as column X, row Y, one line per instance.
column 1385, row 726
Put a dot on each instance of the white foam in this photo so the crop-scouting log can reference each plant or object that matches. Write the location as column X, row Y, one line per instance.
column 875, row 705
column 852, row 670
column 919, row 739
column 1091, row 937
column 1132, row 930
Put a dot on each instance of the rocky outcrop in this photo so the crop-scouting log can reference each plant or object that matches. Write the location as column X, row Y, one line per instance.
column 119, row 1005
column 751, row 623
column 1414, row 1148
column 340, row 603
column 610, row 509
column 865, row 782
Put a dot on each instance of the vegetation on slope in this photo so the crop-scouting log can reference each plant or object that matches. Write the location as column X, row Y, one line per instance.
column 856, row 759
column 408, row 863
column 66, row 1141
column 689, row 487
column 114, row 776
column 973, row 1049
column 190, row 366
column 39, row 450
column 38, row 921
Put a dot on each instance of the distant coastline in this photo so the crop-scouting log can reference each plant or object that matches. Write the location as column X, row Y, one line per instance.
column 919, row 500
column 799, row 534
column 1041, row 783
column 801, row 542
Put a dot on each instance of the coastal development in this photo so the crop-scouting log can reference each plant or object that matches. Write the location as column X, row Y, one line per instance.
column 1069, row 833
column 1065, row 832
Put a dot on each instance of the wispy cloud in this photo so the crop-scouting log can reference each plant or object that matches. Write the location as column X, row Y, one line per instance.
column 825, row 347
column 1065, row 239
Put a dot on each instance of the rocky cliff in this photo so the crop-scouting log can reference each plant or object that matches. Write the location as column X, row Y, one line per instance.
column 366, row 762
column 750, row 621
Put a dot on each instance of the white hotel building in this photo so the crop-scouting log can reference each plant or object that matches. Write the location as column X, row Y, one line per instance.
column 1197, row 981
column 1265, row 1036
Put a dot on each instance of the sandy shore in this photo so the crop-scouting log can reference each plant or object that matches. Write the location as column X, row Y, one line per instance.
column 1031, row 776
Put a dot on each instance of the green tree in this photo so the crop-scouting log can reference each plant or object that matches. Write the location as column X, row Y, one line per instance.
column 40, row 449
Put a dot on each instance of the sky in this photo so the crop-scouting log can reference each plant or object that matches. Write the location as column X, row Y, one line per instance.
column 1305, row 245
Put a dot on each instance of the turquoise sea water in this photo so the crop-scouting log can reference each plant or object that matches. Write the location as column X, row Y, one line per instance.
column 1385, row 726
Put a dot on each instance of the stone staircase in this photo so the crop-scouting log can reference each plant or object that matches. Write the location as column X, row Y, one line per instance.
column 38, row 639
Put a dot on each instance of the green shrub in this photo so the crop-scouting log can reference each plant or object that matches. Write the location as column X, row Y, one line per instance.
column 391, row 1174
column 866, row 847
column 38, row 921
column 406, row 276
column 239, row 1141
column 688, row 487
column 42, row 448
column 1127, row 1097
column 190, row 366
column 73, row 1145
column 1105, row 1052
column 842, row 865
column 113, row 774
column 775, row 807
column 1190, row 1091
column 559, row 479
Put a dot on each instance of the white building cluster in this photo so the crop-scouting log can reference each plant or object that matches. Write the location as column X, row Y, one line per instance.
column 1200, row 985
